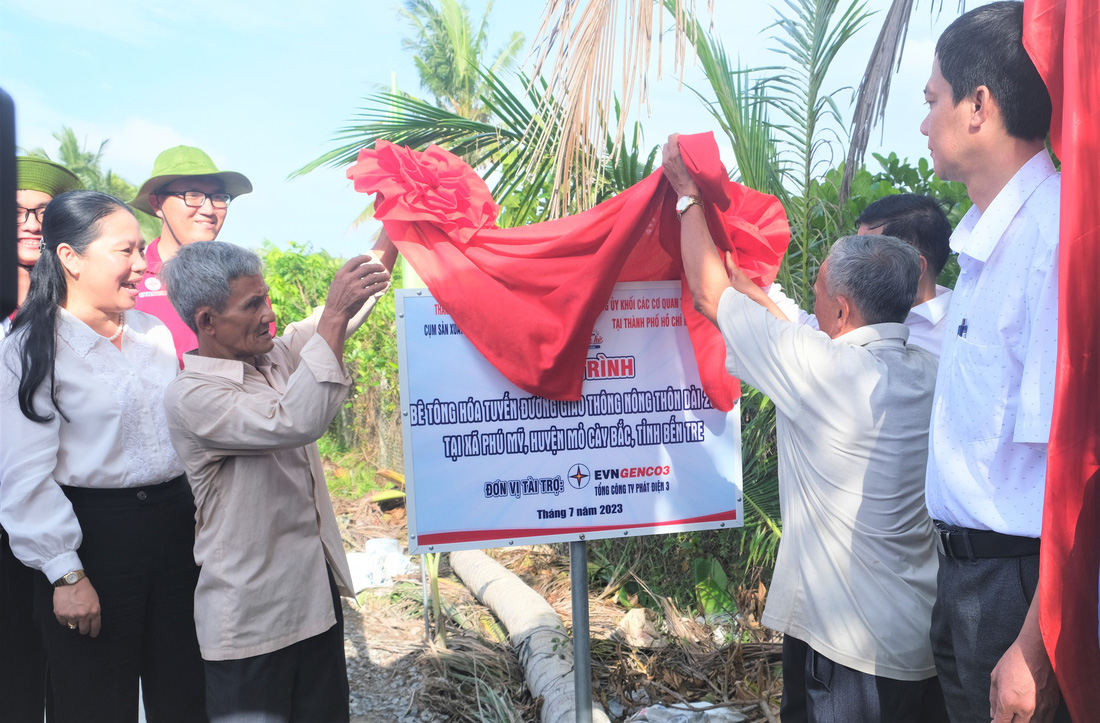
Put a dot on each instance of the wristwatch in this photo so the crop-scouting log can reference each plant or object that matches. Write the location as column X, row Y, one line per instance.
column 684, row 203
column 70, row 578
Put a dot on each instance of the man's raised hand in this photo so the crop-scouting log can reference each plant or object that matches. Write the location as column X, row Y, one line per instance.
column 356, row 282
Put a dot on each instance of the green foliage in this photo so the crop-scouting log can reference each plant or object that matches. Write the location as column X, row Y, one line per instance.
column 298, row 279
column 351, row 477
column 713, row 588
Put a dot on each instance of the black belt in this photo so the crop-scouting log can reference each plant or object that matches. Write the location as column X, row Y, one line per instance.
column 968, row 544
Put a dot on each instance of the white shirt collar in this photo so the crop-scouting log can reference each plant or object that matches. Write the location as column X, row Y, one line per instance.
column 935, row 308
column 77, row 334
column 889, row 333
column 978, row 233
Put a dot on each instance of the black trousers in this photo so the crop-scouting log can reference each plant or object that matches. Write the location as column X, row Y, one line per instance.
column 22, row 656
column 138, row 555
column 306, row 682
column 980, row 607
column 819, row 690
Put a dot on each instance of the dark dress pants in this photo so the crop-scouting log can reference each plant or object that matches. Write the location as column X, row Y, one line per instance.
column 306, row 682
column 980, row 607
column 138, row 555
column 819, row 690
column 22, row 657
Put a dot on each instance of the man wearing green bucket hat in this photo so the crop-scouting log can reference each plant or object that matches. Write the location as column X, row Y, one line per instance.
column 23, row 661
column 191, row 197
column 37, row 182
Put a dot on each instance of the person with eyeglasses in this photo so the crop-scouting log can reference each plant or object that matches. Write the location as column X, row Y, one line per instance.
column 37, row 182
column 191, row 196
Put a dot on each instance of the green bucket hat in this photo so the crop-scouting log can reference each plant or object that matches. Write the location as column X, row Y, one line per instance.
column 38, row 174
column 182, row 162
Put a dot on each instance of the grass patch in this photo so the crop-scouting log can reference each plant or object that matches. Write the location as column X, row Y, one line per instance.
column 347, row 472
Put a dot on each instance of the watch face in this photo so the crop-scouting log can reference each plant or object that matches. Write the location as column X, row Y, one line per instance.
column 72, row 578
column 682, row 203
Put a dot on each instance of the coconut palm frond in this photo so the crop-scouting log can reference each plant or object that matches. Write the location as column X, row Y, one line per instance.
column 741, row 110
column 763, row 526
column 508, row 56
column 578, row 40
column 874, row 89
column 519, row 178
column 625, row 166
column 811, row 39
column 412, row 122
column 812, row 34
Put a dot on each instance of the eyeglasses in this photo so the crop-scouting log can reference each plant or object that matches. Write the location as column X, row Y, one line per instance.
column 195, row 199
column 22, row 214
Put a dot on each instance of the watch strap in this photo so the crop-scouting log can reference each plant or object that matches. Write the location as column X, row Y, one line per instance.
column 687, row 202
column 70, row 578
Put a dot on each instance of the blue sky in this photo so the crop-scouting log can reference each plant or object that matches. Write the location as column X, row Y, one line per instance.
column 262, row 86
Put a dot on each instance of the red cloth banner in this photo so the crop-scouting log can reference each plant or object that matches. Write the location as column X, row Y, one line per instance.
column 1063, row 39
column 528, row 297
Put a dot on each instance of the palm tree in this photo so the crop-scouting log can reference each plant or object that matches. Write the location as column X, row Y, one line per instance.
column 77, row 158
column 86, row 164
column 449, row 54
column 521, row 175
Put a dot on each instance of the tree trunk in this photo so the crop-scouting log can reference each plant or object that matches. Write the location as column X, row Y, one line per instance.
column 535, row 630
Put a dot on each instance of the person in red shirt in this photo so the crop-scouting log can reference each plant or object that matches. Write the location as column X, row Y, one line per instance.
column 191, row 197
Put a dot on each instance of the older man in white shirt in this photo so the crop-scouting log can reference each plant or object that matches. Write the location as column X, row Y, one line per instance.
column 988, row 117
column 917, row 220
column 854, row 580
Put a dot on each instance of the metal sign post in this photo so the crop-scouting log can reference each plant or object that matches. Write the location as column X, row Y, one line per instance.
column 582, row 655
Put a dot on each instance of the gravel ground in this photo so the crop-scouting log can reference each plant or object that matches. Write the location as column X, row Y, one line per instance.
column 382, row 647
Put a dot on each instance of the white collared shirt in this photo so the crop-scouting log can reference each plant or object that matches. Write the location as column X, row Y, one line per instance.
column 926, row 321
column 995, row 389
column 116, row 434
column 855, row 577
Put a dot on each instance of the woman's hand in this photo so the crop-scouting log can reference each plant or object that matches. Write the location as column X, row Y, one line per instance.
column 78, row 605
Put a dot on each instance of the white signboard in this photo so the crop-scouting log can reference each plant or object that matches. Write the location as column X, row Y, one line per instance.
column 642, row 452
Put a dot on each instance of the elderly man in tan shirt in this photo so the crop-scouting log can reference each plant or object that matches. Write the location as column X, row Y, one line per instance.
column 244, row 416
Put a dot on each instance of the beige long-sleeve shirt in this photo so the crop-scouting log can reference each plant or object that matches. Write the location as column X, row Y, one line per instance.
column 265, row 526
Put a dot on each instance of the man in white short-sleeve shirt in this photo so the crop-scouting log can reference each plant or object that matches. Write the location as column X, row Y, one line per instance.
column 854, row 579
column 989, row 114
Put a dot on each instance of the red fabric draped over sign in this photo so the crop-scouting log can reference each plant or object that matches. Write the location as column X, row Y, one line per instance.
column 528, row 297
column 1063, row 39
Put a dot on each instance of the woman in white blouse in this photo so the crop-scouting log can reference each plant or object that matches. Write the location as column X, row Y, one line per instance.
column 91, row 492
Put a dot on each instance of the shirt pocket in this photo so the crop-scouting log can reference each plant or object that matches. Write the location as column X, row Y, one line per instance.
column 976, row 395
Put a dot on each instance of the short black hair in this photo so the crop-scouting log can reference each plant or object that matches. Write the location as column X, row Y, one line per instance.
column 918, row 220
column 985, row 47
